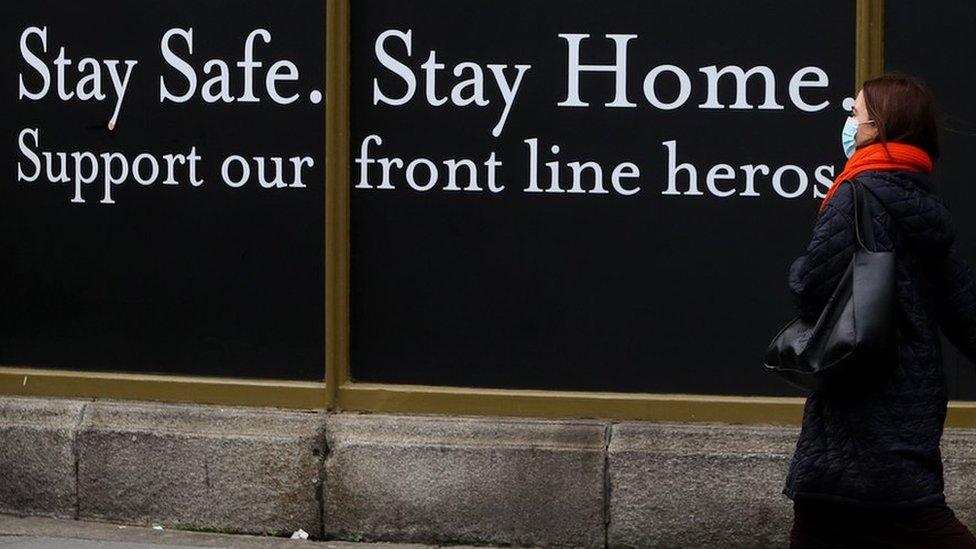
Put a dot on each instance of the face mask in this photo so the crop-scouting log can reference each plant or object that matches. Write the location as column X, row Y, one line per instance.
column 847, row 136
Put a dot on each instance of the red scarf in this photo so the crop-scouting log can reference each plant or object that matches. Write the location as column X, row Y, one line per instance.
column 881, row 157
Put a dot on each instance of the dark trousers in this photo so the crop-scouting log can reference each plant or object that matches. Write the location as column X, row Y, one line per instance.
column 817, row 524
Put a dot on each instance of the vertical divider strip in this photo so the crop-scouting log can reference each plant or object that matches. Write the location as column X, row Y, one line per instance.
column 869, row 45
column 336, row 198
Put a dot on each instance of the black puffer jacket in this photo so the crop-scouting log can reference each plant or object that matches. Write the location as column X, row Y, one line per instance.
column 880, row 446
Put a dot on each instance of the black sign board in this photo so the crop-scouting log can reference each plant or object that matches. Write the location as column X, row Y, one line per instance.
column 523, row 213
column 163, row 186
column 944, row 59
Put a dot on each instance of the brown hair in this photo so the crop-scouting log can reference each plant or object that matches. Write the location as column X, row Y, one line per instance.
column 903, row 110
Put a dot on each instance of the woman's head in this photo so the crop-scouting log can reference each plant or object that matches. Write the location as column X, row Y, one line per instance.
column 899, row 108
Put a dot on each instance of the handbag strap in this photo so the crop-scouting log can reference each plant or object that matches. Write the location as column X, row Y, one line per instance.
column 863, row 228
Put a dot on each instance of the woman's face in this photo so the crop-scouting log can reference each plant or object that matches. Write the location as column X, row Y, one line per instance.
column 866, row 131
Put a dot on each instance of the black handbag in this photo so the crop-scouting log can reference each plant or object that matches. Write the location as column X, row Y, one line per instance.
column 856, row 334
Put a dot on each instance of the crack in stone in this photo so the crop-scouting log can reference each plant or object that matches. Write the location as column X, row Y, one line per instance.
column 320, row 489
column 607, row 434
column 75, row 456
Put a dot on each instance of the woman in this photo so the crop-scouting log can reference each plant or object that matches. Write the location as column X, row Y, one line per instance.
column 867, row 471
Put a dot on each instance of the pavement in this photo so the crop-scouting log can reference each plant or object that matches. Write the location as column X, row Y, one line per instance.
column 18, row 532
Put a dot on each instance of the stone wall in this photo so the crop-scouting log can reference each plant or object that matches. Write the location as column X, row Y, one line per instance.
column 420, row 478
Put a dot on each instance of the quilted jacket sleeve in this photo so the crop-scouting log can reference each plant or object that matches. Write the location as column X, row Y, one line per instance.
column 956, row 301
column 814, row 275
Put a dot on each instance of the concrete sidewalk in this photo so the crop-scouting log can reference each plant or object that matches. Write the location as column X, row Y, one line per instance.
column 47, row 533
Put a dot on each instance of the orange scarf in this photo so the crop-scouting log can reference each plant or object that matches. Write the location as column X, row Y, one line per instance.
column 876, row 157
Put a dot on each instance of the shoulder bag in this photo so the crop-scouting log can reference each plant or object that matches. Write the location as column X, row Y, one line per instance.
column 856, row 335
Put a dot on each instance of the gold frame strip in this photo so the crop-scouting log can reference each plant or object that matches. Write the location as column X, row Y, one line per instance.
column 427, row 399
column 869, row 41
column 337, row 103
column 309, row 395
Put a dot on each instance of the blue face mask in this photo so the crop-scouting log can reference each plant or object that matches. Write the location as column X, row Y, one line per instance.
column 847, row 136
